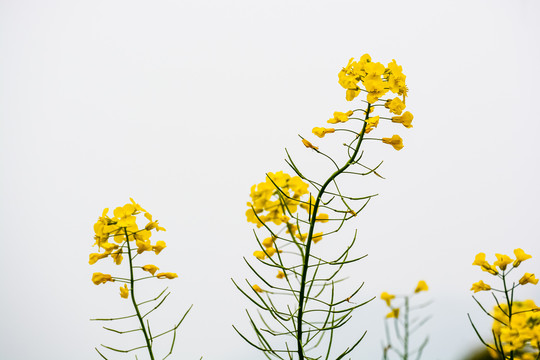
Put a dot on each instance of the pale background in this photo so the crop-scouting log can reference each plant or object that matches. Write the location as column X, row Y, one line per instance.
column 183, row 105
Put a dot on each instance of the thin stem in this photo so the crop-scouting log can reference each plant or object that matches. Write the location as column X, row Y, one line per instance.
column 132, row 290
column 406, row 332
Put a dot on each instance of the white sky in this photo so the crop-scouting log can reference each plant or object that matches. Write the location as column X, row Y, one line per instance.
column 183, row 105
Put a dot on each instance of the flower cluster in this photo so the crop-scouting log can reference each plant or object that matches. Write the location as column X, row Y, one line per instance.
column 276, row 198
column 502, row 263
column 521, row 331
column 275, row 201
column 376, row 80
column 112, row 235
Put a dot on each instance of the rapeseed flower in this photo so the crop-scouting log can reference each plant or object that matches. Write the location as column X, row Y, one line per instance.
column 395, row 141
column 99, row 278
column 386, row 297
column 96, row 256
column 371, row 123
column 124, row 291
column 422, row 286
column 502, row 261
column 480, row 260
column 480, row 286
column 259, row 254
column 166, row 275
column 396, row 106
column 520, row 256
column 160, row 245
column 268, row 242
column 405, row 119
column 150, row 268
column 393, row 314
column 320, row 131
column 340, row 117
column 528, row 278
column 309, row 145
column 322, row 218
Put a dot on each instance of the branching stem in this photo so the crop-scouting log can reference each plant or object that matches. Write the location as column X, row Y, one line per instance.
column 313, row 217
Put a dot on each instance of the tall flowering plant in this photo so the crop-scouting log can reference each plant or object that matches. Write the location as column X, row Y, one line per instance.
column 121, row 236
column 299, row 305
column 516, row 324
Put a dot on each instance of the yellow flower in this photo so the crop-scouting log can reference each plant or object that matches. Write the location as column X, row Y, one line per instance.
column 422, row 286
column 405, row 119
column 143, row 245
column 257, row 288
column 302, row 237
column 371, row 123
column 96, row 256
column 320, row 131
column 351, row 94
column 298, row 186
column 480, row 260
column 322, row 218
column 317, row 237
column 373, row 82
column 280, row 274
column 143, row 235
column 136, row 206
column 152, row 224
column 520, row 256
column 502, row 261
column 387, row 297
column 150, row 268
column 309, row 145
column 395, row 141
column 259, row 254
column 291, row 229
column 396, row 79
column 160, row 245
column 268, row 242
column 124, row 214
column 99, row 278
column 124, row 291
column 270, row 251
column 108, row 246
column 528, row 278
column 340, row 117
column 480, row 286
column 393, row 314
column 117, row 257
column 166, row 275
column 396, row 106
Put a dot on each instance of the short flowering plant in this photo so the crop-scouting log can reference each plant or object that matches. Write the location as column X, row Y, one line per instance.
column 119, row 236
column 516, row 324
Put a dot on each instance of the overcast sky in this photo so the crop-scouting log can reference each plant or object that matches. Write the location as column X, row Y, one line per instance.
column 183, row 105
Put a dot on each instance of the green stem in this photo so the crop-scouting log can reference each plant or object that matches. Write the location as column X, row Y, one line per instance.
column 313, row 217
column 406, row 335
column 132, row 290
column 509, row 303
